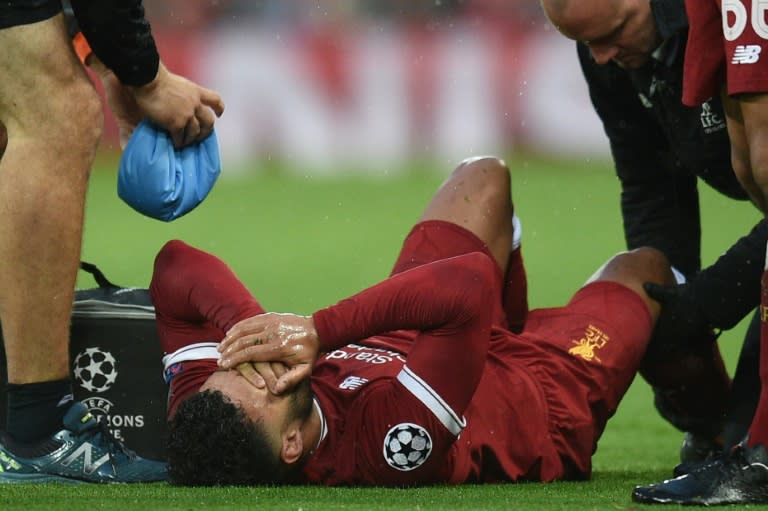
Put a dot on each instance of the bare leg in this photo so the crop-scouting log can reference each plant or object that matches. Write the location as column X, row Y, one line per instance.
column 53, row 120
column 741, row 153
column 3, row 140
column 477, row 197
column 632, row 269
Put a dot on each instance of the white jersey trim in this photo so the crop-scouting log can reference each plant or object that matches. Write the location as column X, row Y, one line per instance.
column 323, row 422
column 197, row 351
column 432, row 400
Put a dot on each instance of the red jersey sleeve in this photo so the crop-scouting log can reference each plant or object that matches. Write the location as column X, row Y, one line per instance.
column 192, row 286
column 197, row 298
column 447, row 301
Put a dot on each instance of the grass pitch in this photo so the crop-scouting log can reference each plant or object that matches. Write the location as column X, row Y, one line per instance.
column 301, row 242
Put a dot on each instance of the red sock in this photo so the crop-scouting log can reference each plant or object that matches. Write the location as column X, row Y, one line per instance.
column 515, row 294
column 758, row 430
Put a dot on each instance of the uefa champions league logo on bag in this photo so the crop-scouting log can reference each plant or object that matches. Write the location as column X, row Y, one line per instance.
column 95, row 370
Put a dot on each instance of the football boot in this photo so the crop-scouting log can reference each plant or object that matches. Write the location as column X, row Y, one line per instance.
column 738, row 477
column 84, row 451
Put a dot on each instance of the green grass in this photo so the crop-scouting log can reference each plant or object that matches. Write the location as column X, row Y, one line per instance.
column 302, row 242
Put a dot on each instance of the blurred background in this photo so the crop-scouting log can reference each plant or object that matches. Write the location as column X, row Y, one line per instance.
column 372, row 84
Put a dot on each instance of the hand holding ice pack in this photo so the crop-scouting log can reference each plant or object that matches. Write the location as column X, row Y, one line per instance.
column 161, row 181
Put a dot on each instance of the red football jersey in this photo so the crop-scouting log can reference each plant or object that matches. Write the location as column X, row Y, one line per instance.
column 726, row 42
column 375, row 407
column 416, row 383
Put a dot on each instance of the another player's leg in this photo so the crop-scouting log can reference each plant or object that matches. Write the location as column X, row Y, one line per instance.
column 53, row 120
column 745, row 390
column 740, row 476
column 697, row 449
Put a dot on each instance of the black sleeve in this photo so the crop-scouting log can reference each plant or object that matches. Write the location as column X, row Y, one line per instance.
column 659, row 203
column 120, row 36
column 730, row 289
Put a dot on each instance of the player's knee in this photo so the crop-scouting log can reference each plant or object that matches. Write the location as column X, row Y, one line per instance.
column 651, row 258
column 88, row 115
column 73, row 121
column 487, row 175
column 486, row 164
column 644, row 264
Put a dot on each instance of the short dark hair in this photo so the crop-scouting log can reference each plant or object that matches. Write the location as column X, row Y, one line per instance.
column 212, row 442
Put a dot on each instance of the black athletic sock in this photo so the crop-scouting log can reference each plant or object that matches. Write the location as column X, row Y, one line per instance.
column 36, row 410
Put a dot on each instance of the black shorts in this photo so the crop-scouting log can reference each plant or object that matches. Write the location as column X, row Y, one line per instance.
column 24, row 12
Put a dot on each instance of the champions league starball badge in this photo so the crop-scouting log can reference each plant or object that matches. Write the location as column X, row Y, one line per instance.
column 95, row 370
column 407, row 446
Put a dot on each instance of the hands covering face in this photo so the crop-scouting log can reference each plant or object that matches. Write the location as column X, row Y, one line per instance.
column 280, row 349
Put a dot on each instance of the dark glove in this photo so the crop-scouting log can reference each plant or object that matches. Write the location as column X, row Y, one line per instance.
column 682, row 321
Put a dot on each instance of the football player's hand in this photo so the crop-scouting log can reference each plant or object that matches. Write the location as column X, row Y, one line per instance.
column 286, row 338
column 262, row 374
column 681, row 322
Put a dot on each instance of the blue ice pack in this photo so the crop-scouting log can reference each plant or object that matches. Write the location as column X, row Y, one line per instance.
column 163, row 182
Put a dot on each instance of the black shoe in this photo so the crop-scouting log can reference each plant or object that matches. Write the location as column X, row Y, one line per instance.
column 700, row 448
column 696, row 451
column 738, row 477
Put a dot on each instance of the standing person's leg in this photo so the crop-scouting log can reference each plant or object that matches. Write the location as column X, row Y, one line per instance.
column 748, row 130
column 745, row 391
column 741, row 475
column 53, row 120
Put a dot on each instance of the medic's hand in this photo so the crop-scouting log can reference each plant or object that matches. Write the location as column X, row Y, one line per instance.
column 185, row 109
column 286, row 338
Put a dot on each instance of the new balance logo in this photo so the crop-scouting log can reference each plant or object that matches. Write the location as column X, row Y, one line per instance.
column 746, row 54
column 353, row 382
column 84, row 455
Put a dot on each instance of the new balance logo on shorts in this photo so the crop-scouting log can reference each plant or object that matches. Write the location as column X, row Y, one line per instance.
column 746, row 54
